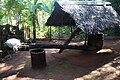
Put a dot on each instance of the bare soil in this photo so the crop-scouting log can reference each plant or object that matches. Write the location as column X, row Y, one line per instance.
column 69, row 65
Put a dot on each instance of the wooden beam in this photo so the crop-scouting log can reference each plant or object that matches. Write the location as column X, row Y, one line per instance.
column 34, row 45
column 73, row 34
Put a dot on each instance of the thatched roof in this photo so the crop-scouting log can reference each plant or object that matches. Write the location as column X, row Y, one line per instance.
column 91, row 17
column 60, row 17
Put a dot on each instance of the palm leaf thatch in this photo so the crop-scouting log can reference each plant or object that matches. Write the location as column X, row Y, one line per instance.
column 90, row 17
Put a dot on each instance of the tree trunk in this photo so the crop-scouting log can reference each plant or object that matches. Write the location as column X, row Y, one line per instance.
column 1, row 36
column 34, row 28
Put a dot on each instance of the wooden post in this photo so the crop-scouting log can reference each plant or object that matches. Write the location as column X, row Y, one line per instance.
column 85, row 39
column 1, row 40
column 50, row 34
column 59, row 32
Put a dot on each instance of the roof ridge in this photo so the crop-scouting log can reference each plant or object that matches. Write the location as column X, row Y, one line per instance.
column 83, row 2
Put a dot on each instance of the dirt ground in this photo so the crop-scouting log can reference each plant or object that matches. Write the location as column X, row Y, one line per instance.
column 69, row 65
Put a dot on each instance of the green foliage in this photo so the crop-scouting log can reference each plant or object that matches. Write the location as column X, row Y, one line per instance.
column 43, row 6
column 37, row 5
column 109, row 32
column 46, row 32
column 1, row 16
column 80, row 36
column 1, row 79
column 115, row 4
column 112, row 31
column 1, row 10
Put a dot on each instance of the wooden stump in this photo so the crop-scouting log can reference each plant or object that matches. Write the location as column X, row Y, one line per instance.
column 95, row 41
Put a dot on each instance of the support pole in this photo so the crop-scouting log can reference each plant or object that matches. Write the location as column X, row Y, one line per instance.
column 85, row 39
column 50, row 34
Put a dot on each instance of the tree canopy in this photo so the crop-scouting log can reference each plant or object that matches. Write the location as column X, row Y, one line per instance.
column 115, row 4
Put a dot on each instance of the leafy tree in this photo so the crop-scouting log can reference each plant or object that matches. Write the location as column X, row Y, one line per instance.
column 115, row 4
column 1, row 11
column 34, row 7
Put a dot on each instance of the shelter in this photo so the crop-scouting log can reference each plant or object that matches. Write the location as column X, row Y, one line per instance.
column 90, row 16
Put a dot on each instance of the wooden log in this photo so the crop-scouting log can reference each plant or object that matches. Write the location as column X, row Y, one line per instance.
column 34, row 45
column 76, row 32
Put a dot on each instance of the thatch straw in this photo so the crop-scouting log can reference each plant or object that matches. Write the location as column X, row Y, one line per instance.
column 91, row 18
